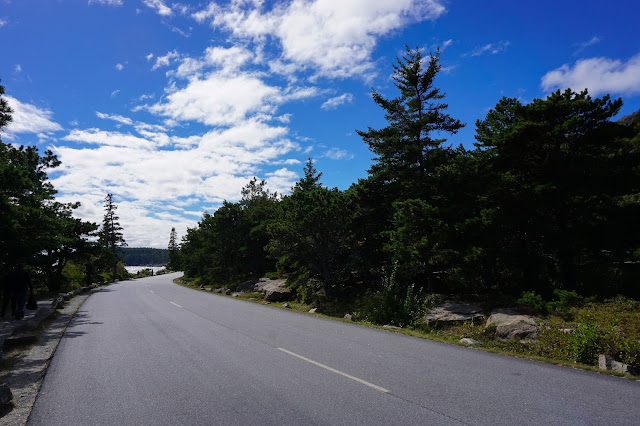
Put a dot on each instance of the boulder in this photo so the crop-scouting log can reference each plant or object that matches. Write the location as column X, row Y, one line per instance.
column 217, row 290
column 5, row 394
column 227, row 291
column 392, row 327
column 286, row 305
column 264, row 282
column 57, row 302
column 247, row 285
column 275, row 293
column 605, row 362
column 513, row 325
column 207, row 289
column 314, row 311
column 468, row 341
column 236, row 294
column 348, row 317
column 449, row 313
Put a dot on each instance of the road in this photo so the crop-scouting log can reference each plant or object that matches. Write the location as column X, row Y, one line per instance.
column 149, row 352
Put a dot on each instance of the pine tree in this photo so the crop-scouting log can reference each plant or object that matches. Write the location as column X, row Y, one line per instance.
column 110, row 236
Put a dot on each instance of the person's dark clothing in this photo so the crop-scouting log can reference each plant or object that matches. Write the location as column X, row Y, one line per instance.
column 22, row 283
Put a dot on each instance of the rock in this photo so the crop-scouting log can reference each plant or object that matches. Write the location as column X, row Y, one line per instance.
column 247, row 285
column 452, row 312
column 253, row 299
column 273, row 293
column 264, row 282
column 286, row 305
column 512, row 325
column 469, row 341
column 605, row 362
column 57, row 302
column 207, row 289
column 227, row 291
column 568, row 330
column 314, row 311
column 348, row 317
column 236, row 294
column 392, row 327
column 5, row 394
column 217, row 290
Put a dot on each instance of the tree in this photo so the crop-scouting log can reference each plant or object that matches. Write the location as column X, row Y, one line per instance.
column 564, row 182
column 110, row 236
column 312, row 236
column 5, row 110
column 173, row 249
column 407, row 150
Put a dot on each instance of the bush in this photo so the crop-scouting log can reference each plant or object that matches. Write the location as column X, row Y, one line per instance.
column 393, row 304
column 532, row 302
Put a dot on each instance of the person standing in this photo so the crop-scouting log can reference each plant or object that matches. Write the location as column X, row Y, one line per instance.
column 22, row 284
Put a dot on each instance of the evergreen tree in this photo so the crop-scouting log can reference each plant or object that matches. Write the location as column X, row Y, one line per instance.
column 110, row 236
column 173, row 249
column 407, row 150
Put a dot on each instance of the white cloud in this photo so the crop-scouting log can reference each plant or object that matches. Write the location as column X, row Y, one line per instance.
column 3, row 22
column 584, row 45
column 115, row 93
column 100, row 137
column 119, row 67
column 159, row 7
column 17, row 69
column 28, row 118
column 163, row 61
column 337, row 154
column 149, row 56
column 107, row 2
column 146, row 96
column 333, row 103
column 599, row 75
column 115, row 117
column 333, row 36
column 491, row 49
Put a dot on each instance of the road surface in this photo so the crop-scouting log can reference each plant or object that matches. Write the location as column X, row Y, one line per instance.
column 149, row 352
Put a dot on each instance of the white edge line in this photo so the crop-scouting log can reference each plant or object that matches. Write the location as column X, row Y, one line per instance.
column 176, row 304
column 333, row 370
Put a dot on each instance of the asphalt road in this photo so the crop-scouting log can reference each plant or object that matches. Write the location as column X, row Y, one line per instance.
column 149, row 352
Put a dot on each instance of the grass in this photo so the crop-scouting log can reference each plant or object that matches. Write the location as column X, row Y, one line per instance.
column 611, row 327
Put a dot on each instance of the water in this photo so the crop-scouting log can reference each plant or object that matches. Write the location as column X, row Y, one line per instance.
column 135, row 269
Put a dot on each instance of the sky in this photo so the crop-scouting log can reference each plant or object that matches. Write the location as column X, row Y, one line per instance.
column 174, row 107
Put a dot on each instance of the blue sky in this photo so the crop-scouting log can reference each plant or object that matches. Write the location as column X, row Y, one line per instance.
column 173, row 107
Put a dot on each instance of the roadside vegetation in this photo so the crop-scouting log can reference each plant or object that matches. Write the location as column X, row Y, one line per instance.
column 541, row 215
column 60, row 252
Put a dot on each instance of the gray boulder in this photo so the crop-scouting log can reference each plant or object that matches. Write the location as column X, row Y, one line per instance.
column 513, row 325
column 314, row 311
column 348, row 317
column 247, row 285
column 273, row 290
column 448, row 313
column 605, row 362
column 469, row 341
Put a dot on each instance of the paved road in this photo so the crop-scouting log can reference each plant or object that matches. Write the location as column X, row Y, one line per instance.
column 151, row 352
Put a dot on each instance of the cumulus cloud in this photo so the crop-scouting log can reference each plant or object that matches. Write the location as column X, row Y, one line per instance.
column 599, row 75
column 335, row 37
column 333, row 103
column 115, row 117
column 3, row 22
column 159, row 7
column 119, row 67
column 28, row 118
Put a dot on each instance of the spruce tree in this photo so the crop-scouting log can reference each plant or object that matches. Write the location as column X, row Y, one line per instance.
column 110, row 236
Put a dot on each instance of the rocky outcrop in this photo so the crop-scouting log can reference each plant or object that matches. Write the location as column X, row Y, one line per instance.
column 449, row 313
column 248, row 285
column 513, row 325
